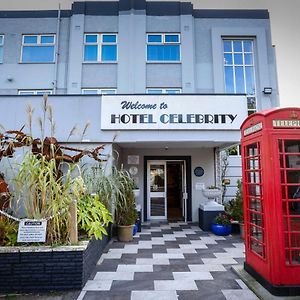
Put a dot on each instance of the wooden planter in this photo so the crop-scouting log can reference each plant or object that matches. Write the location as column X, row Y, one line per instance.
column 32, row 269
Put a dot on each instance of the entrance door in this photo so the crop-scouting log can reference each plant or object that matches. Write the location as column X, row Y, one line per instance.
column 157, row 190
column 166, row 190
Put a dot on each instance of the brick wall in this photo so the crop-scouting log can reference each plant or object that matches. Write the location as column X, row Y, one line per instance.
column 49, row 270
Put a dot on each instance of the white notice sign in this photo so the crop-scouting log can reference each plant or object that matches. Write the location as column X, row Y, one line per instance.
column 32, row 231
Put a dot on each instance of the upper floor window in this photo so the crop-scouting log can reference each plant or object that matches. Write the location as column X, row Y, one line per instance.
column 163, row 47
column 34, row 92
column 1, row 48
column 163, row 91
column 100, row 47
column 99, row 91
column 239, row 69
column 38, row 48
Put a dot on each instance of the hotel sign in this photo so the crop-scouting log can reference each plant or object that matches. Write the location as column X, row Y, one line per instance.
column 169, row 112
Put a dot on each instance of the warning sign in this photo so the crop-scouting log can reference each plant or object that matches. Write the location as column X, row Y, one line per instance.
column 32, row 231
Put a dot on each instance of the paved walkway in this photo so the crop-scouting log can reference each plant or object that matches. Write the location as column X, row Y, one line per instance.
column 169, row 261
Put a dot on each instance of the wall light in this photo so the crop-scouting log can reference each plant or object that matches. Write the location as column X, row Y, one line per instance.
column 267, row 91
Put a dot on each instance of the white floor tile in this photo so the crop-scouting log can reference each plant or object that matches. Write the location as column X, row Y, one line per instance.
column 154, row 295
column 208, row 240
column 158, row 241
column 239, row 245
column 193, row 246
column 206, row 267
column 175, row 250
column 135, row 268
column 173, row 285
column 123, row 250
column 114, row 276
column 239, row 295
column 152, row 261
column 229, row 255
column 242, row 284
column 192, row 275
column 81, row 295
column 179, row 234
column 98, row 285
column 219, row 261
column 168, row 255
column 169, row 237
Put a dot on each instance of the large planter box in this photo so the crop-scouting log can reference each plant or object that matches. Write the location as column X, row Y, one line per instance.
column 31, row 269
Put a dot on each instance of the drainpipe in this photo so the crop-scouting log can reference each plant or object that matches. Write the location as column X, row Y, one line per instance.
column 56, row 50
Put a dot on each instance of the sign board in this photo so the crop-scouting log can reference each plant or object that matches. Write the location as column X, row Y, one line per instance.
column 286, row 123
column 32, row 231
column 254, row 128
column 169, row 112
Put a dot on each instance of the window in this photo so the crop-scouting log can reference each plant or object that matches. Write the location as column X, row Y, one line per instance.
column 100, row 47
column 38, row 48
column 239, row 69
column 1, row 48
column 99, row 91
column 34, row 92
column 163, row 91
column 163, row 47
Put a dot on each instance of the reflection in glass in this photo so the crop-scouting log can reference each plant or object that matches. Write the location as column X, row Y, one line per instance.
column 157, row 206
column 157, row 178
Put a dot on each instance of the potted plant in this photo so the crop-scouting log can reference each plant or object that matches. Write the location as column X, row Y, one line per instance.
column 235, row 209
column 125, row 214
column 211, row 193
column 221, row 225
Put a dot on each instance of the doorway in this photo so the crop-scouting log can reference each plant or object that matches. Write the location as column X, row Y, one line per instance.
column 175, row 190
column 166, row 192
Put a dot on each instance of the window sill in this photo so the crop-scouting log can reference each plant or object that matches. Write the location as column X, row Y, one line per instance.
column 36, row 63
column 163, row 62
column 99, row 62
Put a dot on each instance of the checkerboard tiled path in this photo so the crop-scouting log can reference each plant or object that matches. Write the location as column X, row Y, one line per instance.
column 169, row 261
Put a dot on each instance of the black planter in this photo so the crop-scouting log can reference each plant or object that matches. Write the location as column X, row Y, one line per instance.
column 33, row 269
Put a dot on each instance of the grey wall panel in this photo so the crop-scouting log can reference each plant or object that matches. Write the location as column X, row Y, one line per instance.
column 163, row 24
column 163, row 75
column 99, row 75
column 187, row 53
column 26, row 76
column 132, row 53
column 75, row 54
column 101, row 24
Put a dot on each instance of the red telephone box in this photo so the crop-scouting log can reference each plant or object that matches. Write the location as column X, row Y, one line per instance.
column 271, row 190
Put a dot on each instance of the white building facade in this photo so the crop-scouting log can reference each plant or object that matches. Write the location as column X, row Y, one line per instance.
column 165, row 87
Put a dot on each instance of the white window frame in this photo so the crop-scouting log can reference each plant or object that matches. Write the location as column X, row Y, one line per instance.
column 39, row 44
column 164, row 91
column 2, row 45
column 232, row 39
column 34, row 92
column 163, row 42
column 99, row 45
column 99, row 91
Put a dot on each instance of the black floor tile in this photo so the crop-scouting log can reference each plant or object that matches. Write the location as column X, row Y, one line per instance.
column 132, row 285
column 153, row 276
column 199, row 295
column 107, row 295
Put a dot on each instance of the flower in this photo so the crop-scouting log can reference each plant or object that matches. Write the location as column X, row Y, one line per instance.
column 222, row 219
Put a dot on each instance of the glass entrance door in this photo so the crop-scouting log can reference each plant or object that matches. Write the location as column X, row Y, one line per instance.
column 157, row 190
